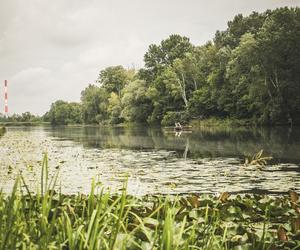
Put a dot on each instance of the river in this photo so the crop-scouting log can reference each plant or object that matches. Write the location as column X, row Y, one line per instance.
column 152, row 160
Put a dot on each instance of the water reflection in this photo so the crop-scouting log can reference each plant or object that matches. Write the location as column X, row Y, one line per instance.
column 282, row 143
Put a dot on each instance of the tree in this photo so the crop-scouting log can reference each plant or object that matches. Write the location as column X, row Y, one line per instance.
column 164, row 88
column 114, row 78
column 136, row 104
column 94, row 104
column 244, row 76
column 238, row 27
column 63, row 113
column 27, row 117
column 114, row 108
column 263, row 71
column 158, row 57
column 249, row 71
column 279, row 57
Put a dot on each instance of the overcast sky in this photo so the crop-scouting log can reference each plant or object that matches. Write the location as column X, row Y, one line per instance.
column 52, row 50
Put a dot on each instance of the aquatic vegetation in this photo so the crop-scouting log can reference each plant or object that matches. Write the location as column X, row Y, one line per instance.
column 257, row 159
column 49, row 219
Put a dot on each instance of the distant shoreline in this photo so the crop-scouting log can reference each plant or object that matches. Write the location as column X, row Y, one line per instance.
column 25, row 124
column 195, row 123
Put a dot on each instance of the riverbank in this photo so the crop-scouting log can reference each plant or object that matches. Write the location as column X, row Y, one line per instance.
column 25, row 124
column 221, row 123
column 103, row 220
column 195, row 123
column 230, row 123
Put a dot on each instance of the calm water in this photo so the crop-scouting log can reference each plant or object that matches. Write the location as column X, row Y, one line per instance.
column 153, row 160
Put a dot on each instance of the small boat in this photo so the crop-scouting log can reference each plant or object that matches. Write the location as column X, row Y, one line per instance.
column 179, row 128
column 178, row 131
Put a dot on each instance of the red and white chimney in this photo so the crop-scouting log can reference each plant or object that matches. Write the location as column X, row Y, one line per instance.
column 5, row 99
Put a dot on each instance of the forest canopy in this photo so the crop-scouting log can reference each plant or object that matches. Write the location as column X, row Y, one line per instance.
column 249, row 71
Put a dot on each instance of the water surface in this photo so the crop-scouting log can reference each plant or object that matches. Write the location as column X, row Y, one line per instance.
column 153, row 160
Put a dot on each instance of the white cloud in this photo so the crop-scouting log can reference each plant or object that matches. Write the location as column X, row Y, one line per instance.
column 52, row 50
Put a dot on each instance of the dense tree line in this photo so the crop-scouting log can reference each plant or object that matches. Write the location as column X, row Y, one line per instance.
column 24, row 117
column 64, row 113
column 249, row 71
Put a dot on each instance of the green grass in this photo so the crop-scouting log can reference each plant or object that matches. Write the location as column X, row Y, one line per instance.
column 48, row 219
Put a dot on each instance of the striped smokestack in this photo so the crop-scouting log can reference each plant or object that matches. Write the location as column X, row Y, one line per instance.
column 5, row 99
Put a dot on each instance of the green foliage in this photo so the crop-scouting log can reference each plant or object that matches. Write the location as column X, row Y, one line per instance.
column 114, row 78
column 165, row 76
column 63, row 113
column 25, row 117
column 114, row 108
column 170, row 118
column 94, row 104
column 257, row 159
column 136, row 103
column 160, row 56
column 249, row 72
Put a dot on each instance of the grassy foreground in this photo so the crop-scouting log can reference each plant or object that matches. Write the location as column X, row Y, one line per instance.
column 103, row 220
column 107, row 221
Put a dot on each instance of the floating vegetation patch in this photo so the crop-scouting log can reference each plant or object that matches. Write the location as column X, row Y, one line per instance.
column 257, row 160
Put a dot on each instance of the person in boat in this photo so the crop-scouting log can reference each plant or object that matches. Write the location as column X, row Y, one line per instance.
column 178, row 126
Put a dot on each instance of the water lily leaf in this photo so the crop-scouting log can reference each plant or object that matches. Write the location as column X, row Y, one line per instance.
column 281, row 234
column 239, row 239
column 194, row 201
column 293, row 196
column 246, row 216
column 193, row 214
column 296, row 224
column 233, row 210
column 236, row 238
column 224, row 197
